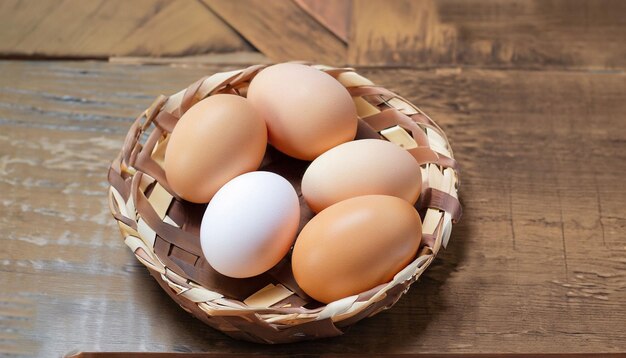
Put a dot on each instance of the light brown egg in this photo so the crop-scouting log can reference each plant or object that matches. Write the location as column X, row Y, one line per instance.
column 355, row 245
column 306, row 110
column 361, row 167
column 216, row 140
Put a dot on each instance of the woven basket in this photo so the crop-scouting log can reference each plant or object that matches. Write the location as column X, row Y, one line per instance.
column 162, row 230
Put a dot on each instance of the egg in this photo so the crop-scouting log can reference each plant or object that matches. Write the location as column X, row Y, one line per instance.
column 250, row 224
column 217, row 139
column 355, row 245
column 361, row 167
column 306, row 110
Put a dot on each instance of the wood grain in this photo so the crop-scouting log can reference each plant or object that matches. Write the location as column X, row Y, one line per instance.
column 537, row 263
column 99, row 28
column 520, row 34
column 281, row 30
column 526, row 34
column 334, row 14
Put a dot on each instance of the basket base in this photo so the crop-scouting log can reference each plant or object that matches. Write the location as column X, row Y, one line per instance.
column 249, row 327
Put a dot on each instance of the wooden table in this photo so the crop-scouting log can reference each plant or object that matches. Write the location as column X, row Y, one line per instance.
column 537, row 264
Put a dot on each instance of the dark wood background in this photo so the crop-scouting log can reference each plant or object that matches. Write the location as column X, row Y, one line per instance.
column 413, row 33
column 531, row 93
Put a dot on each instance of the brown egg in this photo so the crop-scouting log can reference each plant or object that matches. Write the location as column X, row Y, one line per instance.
column 216, row 140
column 355, row 245
column 361, row 167
column 306, row 110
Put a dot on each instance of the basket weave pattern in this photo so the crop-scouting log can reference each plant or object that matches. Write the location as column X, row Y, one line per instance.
column 162, row 230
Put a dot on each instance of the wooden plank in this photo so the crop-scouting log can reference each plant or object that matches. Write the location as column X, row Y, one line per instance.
column 521, row 34
column 416, row 355
column 98, row 28
column 334, row 14
column 397, row 32
column 281, row 30
column 536, row 265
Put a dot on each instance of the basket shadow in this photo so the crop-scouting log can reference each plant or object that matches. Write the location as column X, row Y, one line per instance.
column 397, row 327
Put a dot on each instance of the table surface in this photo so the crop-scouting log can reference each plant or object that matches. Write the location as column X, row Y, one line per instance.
column 537, row 264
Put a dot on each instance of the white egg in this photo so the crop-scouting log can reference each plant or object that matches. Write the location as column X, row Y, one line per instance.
column 250, row 224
